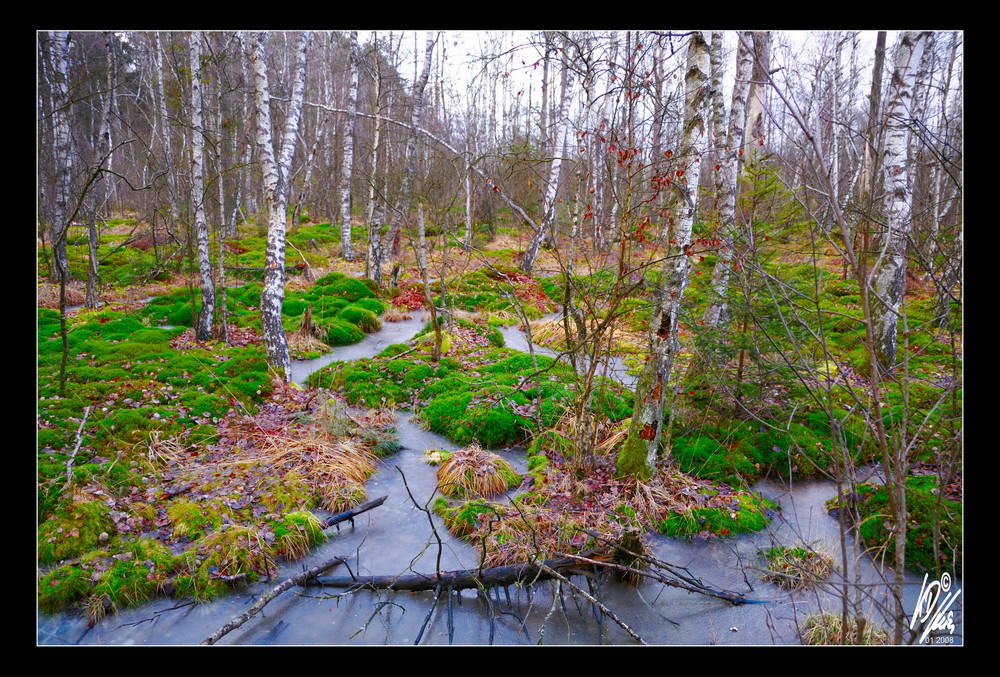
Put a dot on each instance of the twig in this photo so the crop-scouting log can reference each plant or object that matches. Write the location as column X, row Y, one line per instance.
column 76, row 448
column 264, row 599
column 604, row 610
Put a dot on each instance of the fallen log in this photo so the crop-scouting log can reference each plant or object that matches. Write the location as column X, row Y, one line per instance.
column 264, row 599
column 464, row 579
column 351, row 514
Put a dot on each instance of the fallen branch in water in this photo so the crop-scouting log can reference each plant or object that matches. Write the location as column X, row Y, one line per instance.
column 351, row 514
column 509, row 574
column 681, row 581
column 264, row 599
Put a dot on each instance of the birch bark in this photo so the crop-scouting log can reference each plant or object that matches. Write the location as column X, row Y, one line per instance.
column 549, row 201
column 275, row 177
column 726, row 179
column 102, row 154
column 203, row 331
column 59, row 45
column 638, row 454
column 890, row 267
column 347, row 248
column 392, row 243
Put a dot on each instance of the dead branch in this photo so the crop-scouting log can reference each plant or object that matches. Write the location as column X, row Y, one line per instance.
column 351, row 514
column 264, row 599
column 464, row 579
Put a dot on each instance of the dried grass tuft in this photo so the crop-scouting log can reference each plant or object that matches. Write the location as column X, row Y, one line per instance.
column 474, row 472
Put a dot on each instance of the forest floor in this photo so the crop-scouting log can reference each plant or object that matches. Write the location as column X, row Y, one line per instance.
column 168, row 511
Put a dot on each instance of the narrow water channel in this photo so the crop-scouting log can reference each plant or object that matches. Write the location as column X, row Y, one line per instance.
column 403, row 536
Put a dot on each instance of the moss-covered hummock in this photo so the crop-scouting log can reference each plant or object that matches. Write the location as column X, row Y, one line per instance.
column 923, row 509
column 741, row 512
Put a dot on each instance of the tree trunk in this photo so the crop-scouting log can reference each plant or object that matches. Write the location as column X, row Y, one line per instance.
column 546, row 227
column 61, row 142
column 347, row 248
column 392, row 240
column 275, row 173
column 726, row 186
column 203, row 332
column 638, row 454
column 890, row 267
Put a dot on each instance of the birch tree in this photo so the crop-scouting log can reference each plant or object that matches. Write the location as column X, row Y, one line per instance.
column 726, row 184
column 102, row 154
column 392, row 236
column 637, row 456
column 58, row 43
column 347, row 173
column 275, row 177
column 203, row 331
column 555, row 169
column 890, row 266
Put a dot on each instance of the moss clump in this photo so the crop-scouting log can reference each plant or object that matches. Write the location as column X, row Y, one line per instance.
column 337, row 332
column 134, row 574
column 923, row 509
column 464, row 519
column 73, row 530
column 364, row 319
column 192, row 520
column 703, row 456
column 739, row 513
column 373, row 305
column 828, row 629
column 295, row 533
column 341, row 286
column 233, row 553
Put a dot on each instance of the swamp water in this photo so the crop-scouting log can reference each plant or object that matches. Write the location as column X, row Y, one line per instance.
column 401, row 537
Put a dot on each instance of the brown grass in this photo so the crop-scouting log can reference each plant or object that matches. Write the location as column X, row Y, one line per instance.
column 474, row 472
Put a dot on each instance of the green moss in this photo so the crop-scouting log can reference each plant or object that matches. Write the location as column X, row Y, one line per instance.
column 339, row 285
column 235, row 553
column 192, row 520
column 923, row 509
column 341, row 332
column 742, row 513
column 296, row 532
column 465, row 518
column 74, row 529
column 703, row 456
column 365, row 320
column 374, row 305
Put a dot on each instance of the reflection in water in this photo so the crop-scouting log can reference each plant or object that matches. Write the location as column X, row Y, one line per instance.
column 404, row 536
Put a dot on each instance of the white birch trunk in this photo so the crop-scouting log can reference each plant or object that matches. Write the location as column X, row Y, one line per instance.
column 165, row 134
column 102, row 154
column 61, row 140
column 546, row 227
column 890, row 268
column 726, row 180
column 203, row 331
column 275, row 173
column 756, row 105
column 347, row 248
column 637, row 457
